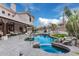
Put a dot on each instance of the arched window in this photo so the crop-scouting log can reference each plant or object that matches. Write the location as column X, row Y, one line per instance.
column 3, row 12
column 8, row 14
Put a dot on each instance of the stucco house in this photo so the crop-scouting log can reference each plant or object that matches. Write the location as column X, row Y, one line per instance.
column 13, row 22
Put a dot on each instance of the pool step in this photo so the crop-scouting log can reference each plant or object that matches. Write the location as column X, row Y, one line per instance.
column 45, row 44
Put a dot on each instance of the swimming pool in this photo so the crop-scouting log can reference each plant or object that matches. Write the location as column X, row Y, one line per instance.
column 44, row 39
column 45, row 44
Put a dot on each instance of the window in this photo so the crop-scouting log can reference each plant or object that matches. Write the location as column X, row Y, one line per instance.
column 8, row 14
column 3, row 12
column 12, row 15
column 30, row 19
column 10, row 26
column 21, row 29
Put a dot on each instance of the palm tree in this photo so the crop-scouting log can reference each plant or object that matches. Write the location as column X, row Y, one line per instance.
column 67, row 12
column 72, row 24
column 53, row 27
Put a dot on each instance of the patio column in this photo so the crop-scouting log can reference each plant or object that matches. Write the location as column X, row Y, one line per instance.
column 4, row 26
column 4, row 29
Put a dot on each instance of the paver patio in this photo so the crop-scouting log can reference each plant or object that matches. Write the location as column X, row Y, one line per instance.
column 16, row 44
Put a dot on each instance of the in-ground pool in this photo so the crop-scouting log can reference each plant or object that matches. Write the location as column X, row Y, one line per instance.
column 45, row 44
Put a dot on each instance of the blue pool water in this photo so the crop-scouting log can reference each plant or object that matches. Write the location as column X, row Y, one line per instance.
column 45, row 44
column 44, row 39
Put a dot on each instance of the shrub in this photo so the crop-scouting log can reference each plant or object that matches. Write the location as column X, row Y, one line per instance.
column 59, row 35
column 28, row 39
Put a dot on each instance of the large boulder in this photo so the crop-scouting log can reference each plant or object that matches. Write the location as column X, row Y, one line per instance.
column 36, row 46
column 68, row 43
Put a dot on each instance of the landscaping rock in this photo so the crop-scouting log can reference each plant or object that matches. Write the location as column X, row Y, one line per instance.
column 36, row 46
column 28, row 39
column 68, row 43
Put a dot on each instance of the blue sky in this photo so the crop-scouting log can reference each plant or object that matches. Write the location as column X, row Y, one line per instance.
column 43, row 12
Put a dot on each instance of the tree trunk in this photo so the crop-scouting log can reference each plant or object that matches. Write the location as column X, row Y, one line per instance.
column 76, row 42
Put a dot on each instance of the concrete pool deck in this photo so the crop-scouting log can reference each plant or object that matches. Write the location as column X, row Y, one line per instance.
column 16, row 44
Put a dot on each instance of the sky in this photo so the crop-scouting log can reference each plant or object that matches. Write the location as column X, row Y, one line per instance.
column 45, row 13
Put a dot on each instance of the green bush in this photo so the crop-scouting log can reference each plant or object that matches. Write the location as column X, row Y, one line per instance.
column 59, row 35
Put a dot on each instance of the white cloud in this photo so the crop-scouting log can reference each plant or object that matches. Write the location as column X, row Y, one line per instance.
column 45, row 21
